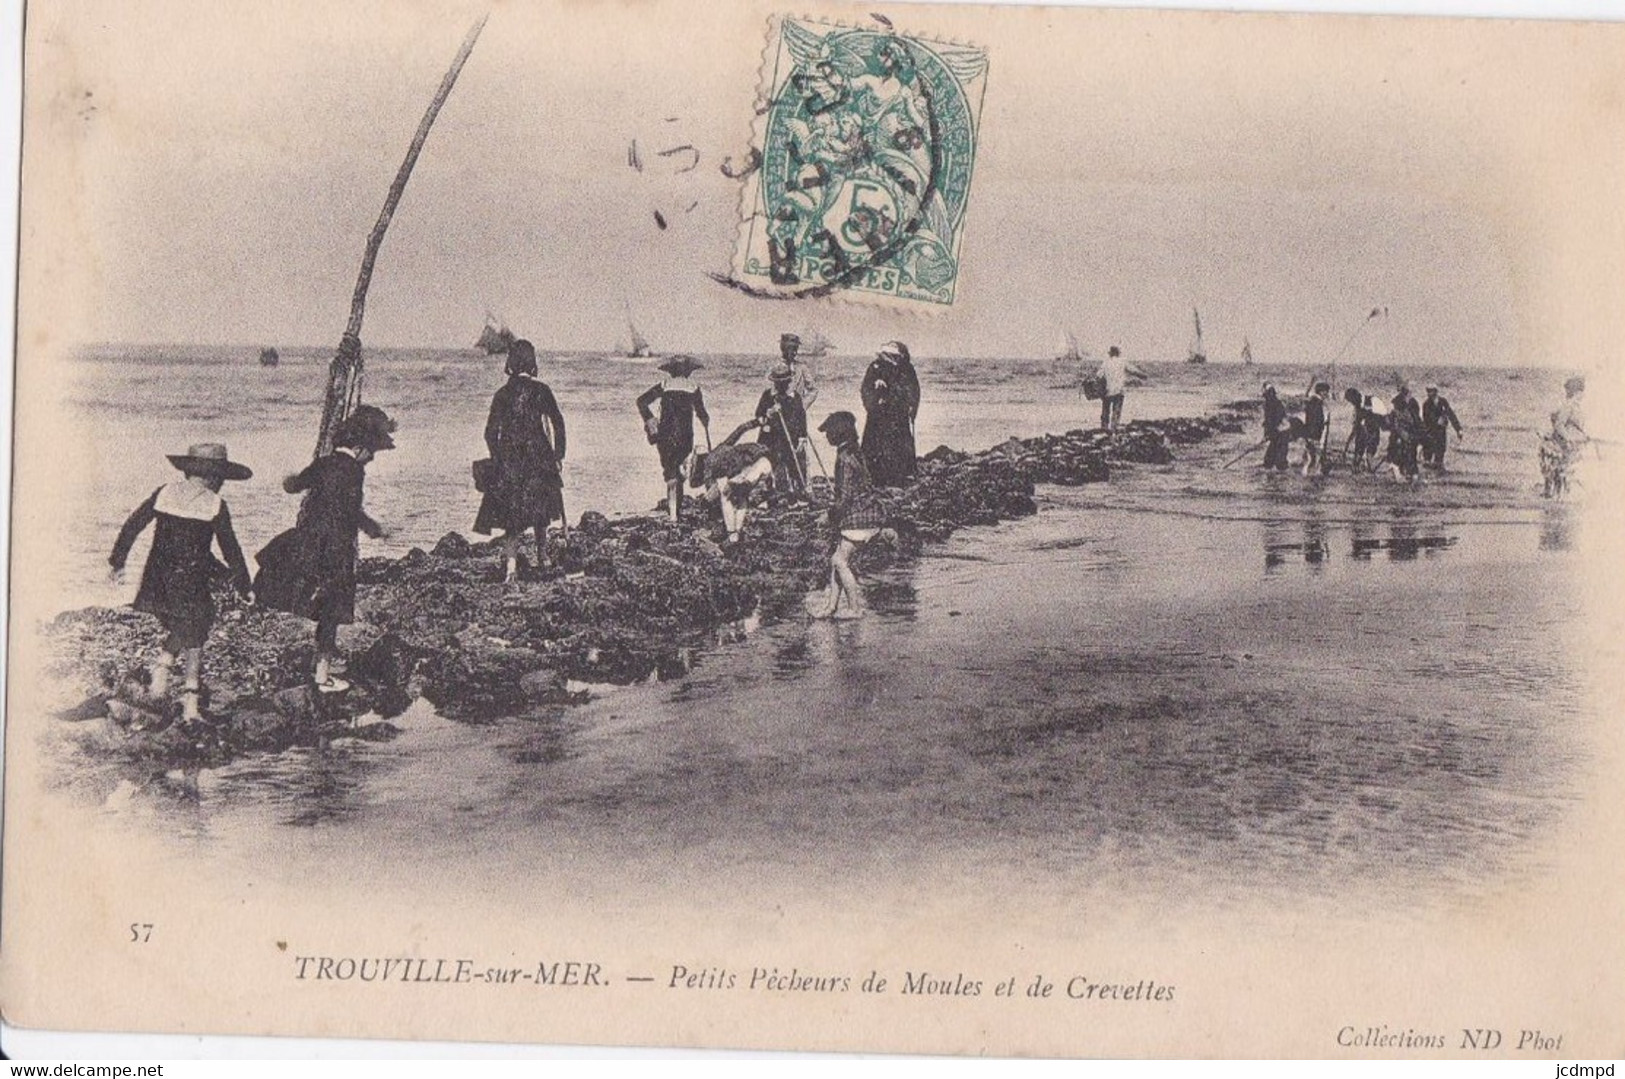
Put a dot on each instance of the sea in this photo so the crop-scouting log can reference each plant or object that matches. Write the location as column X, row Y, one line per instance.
column 1194, row 680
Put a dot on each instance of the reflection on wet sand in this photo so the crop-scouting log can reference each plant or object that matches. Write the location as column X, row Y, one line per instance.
column 1402, row 541
column 1557, row 528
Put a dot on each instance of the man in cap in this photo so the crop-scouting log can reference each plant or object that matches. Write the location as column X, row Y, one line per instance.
column 803, row 378
column 190, row 518
column 1437, row 419
column 783, row 418
column 1113, row 374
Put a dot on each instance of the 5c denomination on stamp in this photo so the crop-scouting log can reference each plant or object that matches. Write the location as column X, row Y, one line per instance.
column 867, row 146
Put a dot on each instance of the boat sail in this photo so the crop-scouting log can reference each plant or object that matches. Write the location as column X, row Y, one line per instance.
column 815, row 346
column 639, row 349
column 1197, row 355
column 495, row 337
column 1246, row 351
column 1071, row 354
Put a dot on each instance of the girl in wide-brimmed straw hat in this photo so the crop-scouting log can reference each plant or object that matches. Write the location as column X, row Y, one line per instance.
column 309, row 570
column 672, row 432
column 190, row 518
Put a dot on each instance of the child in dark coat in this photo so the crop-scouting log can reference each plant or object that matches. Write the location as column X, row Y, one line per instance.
column 525, row 434
column 190, row 518
column 681, row 402
column 310, row 570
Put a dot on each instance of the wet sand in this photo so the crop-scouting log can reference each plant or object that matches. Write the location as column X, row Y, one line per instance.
column 1089, row 701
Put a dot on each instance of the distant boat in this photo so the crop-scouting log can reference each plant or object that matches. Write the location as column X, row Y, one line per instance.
column 815, row 346
column 640, row 349
column 1197, row 355
column 1071, row 354
column 1246, row 351
column 269, row 357
column 495, row 337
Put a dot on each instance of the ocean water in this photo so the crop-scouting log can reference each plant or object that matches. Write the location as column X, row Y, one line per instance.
column 145, row 402
column 1205, row 680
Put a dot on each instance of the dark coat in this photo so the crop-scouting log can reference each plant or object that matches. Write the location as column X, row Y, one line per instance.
column 1437, row 416
column 1275, row 417
column 780, row 445
column 783, row 439
column 525, row 434
column 175, row 582
column 680, row 402
column 1314, row 418
column 309, row 570
column 891, row 399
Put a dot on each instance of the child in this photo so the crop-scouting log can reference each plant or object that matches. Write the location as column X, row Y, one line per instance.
column 730, row 472
column 855, row 518
column 525, row 434
column 191, row 516
column 672, row 433
column 310, row 569
column 1316, row 430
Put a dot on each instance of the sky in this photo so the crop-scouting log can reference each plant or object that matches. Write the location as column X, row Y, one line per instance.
column 208, row 175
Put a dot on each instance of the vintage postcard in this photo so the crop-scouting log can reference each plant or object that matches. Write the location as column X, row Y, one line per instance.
column 928, row 528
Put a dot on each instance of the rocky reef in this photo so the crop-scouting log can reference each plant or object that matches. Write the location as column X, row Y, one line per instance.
column 622, row 600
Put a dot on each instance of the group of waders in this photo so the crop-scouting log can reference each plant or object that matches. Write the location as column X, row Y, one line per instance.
column 1418, row 432
column 310, row 569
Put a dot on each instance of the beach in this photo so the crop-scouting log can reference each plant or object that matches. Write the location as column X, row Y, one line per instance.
column 1202, row 683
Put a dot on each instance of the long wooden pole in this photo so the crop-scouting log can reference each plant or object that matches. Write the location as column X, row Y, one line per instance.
column 344, row 373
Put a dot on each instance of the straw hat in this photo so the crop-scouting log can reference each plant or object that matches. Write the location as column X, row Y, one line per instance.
column 681, row 366
column 210, row 459
column 781, row 373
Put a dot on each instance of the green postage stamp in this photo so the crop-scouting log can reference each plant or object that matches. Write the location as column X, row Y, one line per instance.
column 867, row 145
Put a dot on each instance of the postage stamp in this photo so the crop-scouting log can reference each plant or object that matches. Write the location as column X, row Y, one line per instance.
column 867, row 146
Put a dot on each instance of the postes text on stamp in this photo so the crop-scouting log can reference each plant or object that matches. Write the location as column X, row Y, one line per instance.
column 867, row 150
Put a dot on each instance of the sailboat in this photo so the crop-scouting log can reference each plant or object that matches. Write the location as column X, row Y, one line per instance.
column 269, row 357
column 640, row 345
column 815, row 346
column 1072, row 354
column 495, row 337
column 1246, row 351
column 1197, row 355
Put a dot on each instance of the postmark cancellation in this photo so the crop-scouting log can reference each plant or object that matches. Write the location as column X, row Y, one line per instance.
column 867, row 142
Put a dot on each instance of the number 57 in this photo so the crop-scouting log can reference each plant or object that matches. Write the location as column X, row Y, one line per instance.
column 140, row 932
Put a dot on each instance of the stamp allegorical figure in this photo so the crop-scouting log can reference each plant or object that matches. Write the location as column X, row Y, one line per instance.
column 866, row 164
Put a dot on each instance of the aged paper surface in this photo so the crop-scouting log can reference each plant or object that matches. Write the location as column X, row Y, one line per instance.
column 1187, row 763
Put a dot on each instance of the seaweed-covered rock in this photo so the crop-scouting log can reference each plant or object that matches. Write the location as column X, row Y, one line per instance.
column 622, row 600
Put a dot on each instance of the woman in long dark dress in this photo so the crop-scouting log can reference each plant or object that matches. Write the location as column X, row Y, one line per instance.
column 310, row 569
column 525, row 434
column 189, row 517
column 891, row 399
column 672, row 432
